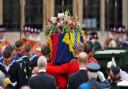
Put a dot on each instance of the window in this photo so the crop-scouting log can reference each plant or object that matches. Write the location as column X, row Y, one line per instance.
column 11, row 15
column 113, row 13
column 91, row 14
column 62, row 5
column 33, row 12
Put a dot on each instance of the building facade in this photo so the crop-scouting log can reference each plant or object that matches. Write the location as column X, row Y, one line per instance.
column 99, row 15
column 96, row 15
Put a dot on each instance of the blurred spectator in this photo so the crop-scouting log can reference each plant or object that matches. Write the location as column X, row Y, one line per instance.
column 19, row 49
column 94, row 39
column 79, row 48
column 42, row 80
column 93, row 69
column 12, row 48
column 45, row 51
column 125, row 42
column 28, row 50
column 3, row 38
column 81, row 76
column 5, row 83
column 23, row 60
column 88, row 48
column 116, row 75
column 2, row 78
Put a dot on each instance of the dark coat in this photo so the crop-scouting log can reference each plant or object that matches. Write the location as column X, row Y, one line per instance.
column 42, row 81
column 76, row 79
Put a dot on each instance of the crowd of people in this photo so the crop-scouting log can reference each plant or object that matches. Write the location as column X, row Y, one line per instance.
column 26, row 65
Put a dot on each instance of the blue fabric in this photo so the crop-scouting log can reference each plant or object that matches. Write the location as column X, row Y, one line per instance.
column 18, row 57
column 63, row 54
column 81, row 39
column 84, row 86
column 92, row 82
column 124, row 43
column 1, row 59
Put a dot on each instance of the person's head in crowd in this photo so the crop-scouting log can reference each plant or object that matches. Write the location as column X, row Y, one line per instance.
column 42, row 63
column 115, row 33
column 45, row 51
column 79, row 48
column 25, row 87
column 2, row 30
column 122, row 32
column 88, row 47
column 4, row 82
column 115, row 74
column 38, row 51
column 28, row 50
column 12, row 48
column 93, row 37
column 82, row 58
column 19, row 47
column 2, row 78
column 93, row 69
column 7, row 56
column 14, row 53
column 2, row 49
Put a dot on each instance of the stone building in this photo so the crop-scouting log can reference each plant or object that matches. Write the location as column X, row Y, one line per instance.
column 96, row 15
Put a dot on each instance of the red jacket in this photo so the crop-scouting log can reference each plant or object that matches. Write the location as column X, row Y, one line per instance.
column 62, row 72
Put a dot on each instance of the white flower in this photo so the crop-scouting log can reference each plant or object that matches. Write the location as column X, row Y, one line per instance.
column 60, row 14
column 53, row 19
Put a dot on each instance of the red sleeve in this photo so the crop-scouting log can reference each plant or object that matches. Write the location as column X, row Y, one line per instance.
column 55, row 69
column 67, row 68
column 73, row 67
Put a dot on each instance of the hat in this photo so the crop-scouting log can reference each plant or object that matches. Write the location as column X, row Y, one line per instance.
column 119, row 29
column 93, row 67
column 33, row 28
column 93, row 35
column 113, row 29
column 26, row 28
column 2, row 28
column 115, row 69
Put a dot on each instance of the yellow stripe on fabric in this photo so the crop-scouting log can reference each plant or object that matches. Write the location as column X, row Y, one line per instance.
column 69, row 40
column 49, row 43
